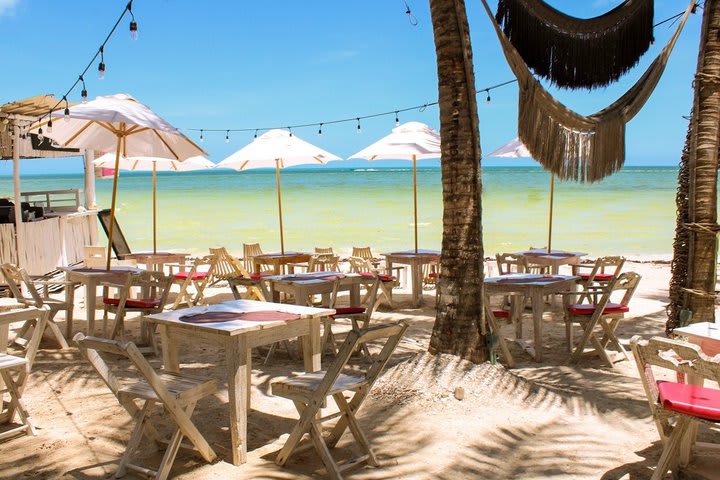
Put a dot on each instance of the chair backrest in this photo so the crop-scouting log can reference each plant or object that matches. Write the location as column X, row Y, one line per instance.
column 511, row 263
column 251, row 250
column 607, row 265
column 363, row 252
column 226, row 266
column 95, row 256
column 153, row 286
column 391, row 333
column 682, row 357
column 21, row 285
column 360, row 265
column 370, row 299
column 96, row 350
column 627, row 282
column 327, row 250
column 119, row 243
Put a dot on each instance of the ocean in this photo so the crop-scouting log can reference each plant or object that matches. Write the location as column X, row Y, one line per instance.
column 631, row 212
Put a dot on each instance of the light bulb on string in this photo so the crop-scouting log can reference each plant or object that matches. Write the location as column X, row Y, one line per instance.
column 255, row 134
column 227, row 136
column 66, row 113
column 487, row 100
column 101, row 65
column 359, row 130
column 290, row 130
column 83, row 94
column 397, row 119
column 133, row 23
column 320, row 129
column 40, row 136
column 49, row 126
column 202, row 139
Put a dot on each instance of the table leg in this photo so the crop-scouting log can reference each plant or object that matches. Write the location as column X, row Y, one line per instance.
column 90, row 304
column 355, row 295
column 4, row 336
column 311, row 347
column 416, row 283
column 171, row 361
column 538, row 304
column 236, row 353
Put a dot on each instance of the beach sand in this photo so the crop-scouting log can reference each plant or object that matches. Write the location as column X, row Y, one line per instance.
column 537, row 420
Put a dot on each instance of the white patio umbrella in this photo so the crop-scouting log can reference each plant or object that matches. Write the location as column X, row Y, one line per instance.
column 409, row 141
column 146, row 164
column 121, row 124
column 516, row 149
column 277, row 149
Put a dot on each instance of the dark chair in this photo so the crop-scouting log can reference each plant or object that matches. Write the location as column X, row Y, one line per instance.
column 119, row 244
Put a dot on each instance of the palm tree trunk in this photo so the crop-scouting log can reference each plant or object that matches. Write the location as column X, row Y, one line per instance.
column 459, row 300
column 703, row 170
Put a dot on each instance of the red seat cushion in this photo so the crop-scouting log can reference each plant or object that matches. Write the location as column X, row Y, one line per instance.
column 256, row 276
column 134, row 302
column 195, row 276
column 383, row 278
column 501, row 314
column 692, row 400
column 598, row 276
column 589, row 308
column 349, row 310
column 434, row 275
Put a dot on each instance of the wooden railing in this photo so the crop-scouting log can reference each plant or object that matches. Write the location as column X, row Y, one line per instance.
column 59, row 201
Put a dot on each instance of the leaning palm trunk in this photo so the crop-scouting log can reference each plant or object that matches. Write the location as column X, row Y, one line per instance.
column 703, row 171
column 458, row 322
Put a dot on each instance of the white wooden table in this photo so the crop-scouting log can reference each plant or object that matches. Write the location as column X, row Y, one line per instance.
column 534, row 287
column 238, row 337
column 302, row 285
column 91, row 278
column 554, row 259
column 415, row 260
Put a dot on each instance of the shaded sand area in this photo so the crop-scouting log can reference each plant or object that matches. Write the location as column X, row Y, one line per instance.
column 534, row 421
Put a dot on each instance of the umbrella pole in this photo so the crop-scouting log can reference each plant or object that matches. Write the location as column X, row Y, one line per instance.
column 154, row 185
column 277, row 178
column 114, row 197
column 415, row 201
column 550, row 221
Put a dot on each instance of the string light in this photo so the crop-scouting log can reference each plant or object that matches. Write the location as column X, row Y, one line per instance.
column 320, row 130
column 255, row 134
column 411, row 18
column 397, row 119
column 487, row 100
column 83, row 94
column 202, row 139
column 133, row 23
column 358, row 127
column 49, row 124
column 40, row 136
column 227, row 136
column 67, row 110
column 290, row 130
column 101, row 65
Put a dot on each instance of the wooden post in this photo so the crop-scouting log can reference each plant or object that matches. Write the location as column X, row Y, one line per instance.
column 279, row 195
column 552, row 199
column 154, row 187
column 90, row 201
column 19, row 230
column 414, row 159
column 114, row 194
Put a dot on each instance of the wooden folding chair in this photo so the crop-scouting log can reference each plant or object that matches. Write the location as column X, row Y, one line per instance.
column 174, row 393
column 199, row 274
column 600, row 273
column 359, row 316
column 25, row 291
column 492, row 316
column 14, row 372
column 309, row 393
column 251, row 250
column 603, row 313
column 154, row 288
column 365, row 268
column 678, row 408
column 230, row 269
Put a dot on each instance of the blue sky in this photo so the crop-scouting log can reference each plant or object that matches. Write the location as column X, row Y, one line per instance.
column 231, row 65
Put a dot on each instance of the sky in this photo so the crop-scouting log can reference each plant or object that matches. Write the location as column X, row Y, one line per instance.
column 246, row 65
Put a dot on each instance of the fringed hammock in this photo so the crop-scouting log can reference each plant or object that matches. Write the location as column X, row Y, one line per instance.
column 574, row 52
column 570, row 145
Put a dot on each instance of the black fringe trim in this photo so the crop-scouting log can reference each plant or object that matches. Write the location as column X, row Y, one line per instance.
column 573, row 52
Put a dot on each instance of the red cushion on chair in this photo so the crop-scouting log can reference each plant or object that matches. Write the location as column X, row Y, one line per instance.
column 589, row 308
column 195, row 276
column 692, row 400
column 349, row 310
column 598, row 276
column 134, row 302
column 383, row 278
column 501, row 314
column 256, row 276
column 434, row 275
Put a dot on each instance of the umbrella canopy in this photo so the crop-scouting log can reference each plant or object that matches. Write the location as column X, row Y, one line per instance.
column 516, row 149
column 277, row 149
column 145, row 164
column 409, row 141
column 122, row 124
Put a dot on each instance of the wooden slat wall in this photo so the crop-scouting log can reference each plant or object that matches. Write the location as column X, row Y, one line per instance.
column 8, row 253
column 42, row 251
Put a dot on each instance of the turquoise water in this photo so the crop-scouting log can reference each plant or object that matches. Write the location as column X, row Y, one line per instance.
column 631, row 212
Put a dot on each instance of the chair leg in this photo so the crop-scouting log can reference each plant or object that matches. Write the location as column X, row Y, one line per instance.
column 668, row 458
column 355, row 428
column 302, row 427
column 173, row 447
column 333, row 471
column 134, row 442
column 56, row 332
column 16, row 403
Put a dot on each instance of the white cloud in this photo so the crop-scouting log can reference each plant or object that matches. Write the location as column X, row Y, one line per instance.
column 7, row 6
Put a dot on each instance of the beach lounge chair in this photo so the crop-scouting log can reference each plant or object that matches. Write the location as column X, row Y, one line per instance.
column 119, row 243
column 600, row 273
column 25, row 291
column 14, row 371
column 175, row 394
column 679, row 408
column 199, row 274
column 603, row 313
column 154, row 288
column 310, row 391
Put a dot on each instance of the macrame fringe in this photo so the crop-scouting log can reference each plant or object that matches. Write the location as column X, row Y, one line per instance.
column 574, row 52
